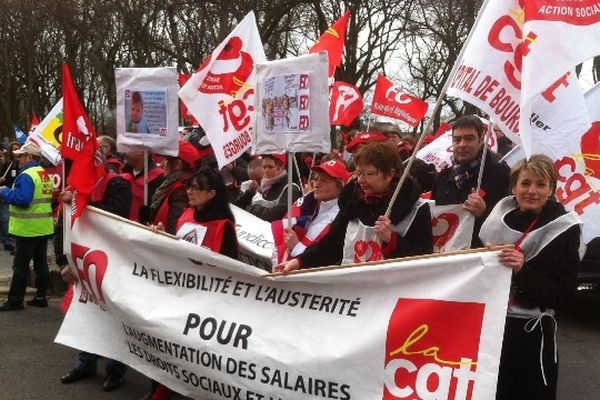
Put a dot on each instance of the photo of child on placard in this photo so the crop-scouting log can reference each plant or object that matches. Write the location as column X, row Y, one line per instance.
column 146, row 112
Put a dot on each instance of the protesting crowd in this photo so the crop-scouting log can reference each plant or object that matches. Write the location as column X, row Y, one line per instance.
column 344, row 197
column 334, row 199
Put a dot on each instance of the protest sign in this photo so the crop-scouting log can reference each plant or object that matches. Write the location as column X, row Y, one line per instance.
column 255, row 238
column 211, row 327
column 147, row 109
column 292, row 106
column 220, row 95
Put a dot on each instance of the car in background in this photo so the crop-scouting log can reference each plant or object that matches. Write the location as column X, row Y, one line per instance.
column 588, row 277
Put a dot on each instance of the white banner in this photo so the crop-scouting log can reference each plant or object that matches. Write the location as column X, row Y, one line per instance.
column 489, row 76
column 147, row 109
column 255, row 238
column 452, row 227
column 220, row 95
column 292, row 106
column 210, row 327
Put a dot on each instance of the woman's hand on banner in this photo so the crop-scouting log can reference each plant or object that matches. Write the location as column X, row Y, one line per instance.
column 287, row 266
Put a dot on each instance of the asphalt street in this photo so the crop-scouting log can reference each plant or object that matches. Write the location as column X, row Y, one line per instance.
column 31, row 364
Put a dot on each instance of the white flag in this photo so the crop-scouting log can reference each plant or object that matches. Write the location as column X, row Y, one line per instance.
column 503, row 74
column 220, row 95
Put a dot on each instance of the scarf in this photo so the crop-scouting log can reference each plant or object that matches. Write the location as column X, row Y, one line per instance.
column 463, row 173
column 165, row 188
column 266, row 184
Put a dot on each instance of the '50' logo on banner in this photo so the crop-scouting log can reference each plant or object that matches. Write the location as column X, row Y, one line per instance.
column 91, row 266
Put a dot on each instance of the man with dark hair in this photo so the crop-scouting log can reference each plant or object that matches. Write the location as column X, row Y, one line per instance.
column 458, row 183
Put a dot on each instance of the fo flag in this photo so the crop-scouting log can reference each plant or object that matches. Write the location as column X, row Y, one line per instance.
column 221, row 93
column 392, row 101
column 332, row 41
column 346, row 104
column 79, row 145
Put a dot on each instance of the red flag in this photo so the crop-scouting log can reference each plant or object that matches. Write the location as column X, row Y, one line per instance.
column 332, row 41
column 79, row 145
column 346, row 104
column 35, row 121
column 392, row 101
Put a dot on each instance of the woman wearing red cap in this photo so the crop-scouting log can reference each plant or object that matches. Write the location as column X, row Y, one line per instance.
column 361, row 232
column 319, row 208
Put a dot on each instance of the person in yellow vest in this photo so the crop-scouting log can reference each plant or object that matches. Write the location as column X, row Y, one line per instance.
column 31, row 225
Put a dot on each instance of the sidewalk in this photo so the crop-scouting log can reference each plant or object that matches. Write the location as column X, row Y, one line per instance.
column 56, row 286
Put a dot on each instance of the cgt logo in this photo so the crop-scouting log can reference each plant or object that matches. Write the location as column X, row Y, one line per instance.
column 431, row 350
column 91, row 267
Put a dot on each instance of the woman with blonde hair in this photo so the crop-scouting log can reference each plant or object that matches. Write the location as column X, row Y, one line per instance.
column 544, row 261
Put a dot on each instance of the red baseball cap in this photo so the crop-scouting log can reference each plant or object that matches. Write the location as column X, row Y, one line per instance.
column 364, row 138
column 188, row 153
column 335, row 169
column 281, row 157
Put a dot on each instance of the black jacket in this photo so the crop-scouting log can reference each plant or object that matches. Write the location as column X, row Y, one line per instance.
column 495, row 184
column 418, row 239
column 549, row 278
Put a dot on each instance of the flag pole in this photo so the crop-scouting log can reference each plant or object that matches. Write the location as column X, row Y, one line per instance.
column 297, row 168
column 145, row 177
column 289, row 190
column 484, row 155
column 436, row 108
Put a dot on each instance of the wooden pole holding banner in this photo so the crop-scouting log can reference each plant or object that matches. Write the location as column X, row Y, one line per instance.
column 299, row 175
column 7, row 169
column 388, row 261
column 436, row 108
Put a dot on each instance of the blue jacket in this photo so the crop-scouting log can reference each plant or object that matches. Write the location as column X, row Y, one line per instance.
column 23, row 188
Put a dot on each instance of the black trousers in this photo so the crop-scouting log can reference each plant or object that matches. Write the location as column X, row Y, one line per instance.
column 27, row 249
column 520, row 375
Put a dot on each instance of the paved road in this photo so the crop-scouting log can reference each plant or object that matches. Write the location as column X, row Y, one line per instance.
column 31, row 363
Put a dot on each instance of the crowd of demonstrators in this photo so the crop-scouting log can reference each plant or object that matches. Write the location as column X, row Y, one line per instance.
column 363, row 203
column 31, row 224
column 544, row 261
column 458, row 183
column 269, row 201
column 190, row 197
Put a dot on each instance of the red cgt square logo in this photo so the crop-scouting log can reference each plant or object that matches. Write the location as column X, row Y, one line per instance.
column 431, row 350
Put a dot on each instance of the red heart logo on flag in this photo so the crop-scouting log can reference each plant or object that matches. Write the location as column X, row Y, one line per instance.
column 443, row 227
column 367, row 251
